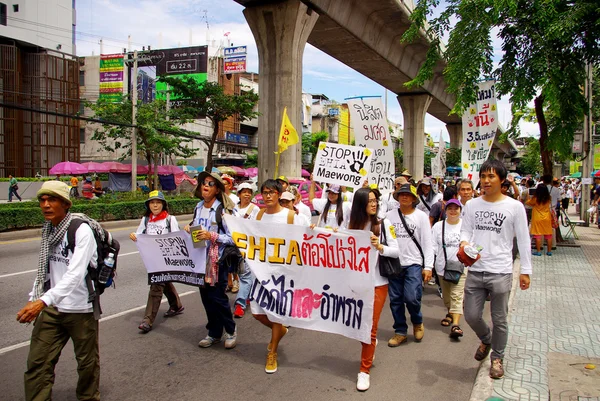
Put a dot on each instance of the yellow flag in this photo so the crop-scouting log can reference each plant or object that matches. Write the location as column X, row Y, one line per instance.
column 287, row 135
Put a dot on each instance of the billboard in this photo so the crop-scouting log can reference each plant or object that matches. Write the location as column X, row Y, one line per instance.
column 234, row 59
column 111, row 77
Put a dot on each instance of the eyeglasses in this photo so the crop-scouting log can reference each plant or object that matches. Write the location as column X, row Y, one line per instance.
column 372, row 201
column 268, row 194
column 209, row 183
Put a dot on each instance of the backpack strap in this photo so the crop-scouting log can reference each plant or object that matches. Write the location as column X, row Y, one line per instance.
column 260, row 214
column 73, row 227
column 249, row 211
column 290, row 217
column 168, row 223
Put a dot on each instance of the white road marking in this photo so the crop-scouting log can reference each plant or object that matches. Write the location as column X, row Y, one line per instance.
column 35, row 270
column 26, row 343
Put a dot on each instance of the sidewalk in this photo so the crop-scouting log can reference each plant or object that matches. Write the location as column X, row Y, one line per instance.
column 555, row 327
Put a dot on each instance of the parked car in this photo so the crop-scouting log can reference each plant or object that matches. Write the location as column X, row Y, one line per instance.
column 303, row 187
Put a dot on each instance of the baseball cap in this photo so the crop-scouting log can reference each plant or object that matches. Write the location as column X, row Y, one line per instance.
column 245, row 185
column 334, row 188
column 287, row 195
column 57, row 189
column 454, row 202
column 283, row 178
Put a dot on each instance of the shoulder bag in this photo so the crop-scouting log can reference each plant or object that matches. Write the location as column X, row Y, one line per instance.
column 453, row 269
column 412, row 236
column 388, row 267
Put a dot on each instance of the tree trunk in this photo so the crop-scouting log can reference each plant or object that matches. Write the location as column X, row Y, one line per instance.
column 211, row 145
column 155, row 186
column 544, row 151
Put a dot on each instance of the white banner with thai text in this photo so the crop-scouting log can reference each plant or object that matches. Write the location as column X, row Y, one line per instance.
column 367, row 118
column 480, row 123
column 342, row 164
column 172, row 257
column 311, row 279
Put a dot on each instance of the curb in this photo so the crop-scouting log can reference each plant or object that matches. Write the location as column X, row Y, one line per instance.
column 108, row 225
column 484, row 384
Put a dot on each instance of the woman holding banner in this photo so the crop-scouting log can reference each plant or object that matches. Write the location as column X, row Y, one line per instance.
column 363, row 216
column 157, row 221
column 333, row 209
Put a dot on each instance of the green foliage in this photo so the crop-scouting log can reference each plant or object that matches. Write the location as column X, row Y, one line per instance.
column 453, row 157
column 28, row 214
column 546, row 46
column 209, row 99
column 251, row 160
column 310, row 143
column 531, row 162
column 182, row 162
column 399, row 160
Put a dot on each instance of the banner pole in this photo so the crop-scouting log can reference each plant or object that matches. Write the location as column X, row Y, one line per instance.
column 277, row 165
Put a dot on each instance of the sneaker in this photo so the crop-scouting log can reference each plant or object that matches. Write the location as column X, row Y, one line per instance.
column 497, row 370
column 482, row 351
column 536, row 253
column 397, row 340
column 271, row 366
column 285, row 331
column 363, row 382
column 174, row 311
column 235, row 287
column 549, row 253
column 145, row 327
column 418, row 332
column 231, row 339
column 208, row 341
column 431, row 281
column 238, row 312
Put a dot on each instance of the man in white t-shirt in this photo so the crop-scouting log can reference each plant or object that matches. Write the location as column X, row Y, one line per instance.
column 492, row 221
column 273, row 213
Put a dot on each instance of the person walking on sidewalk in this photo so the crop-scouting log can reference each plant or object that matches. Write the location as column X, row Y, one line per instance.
column 413, row 234
column 157, row 221
column 446, row 240
column 246, row 210
column 541, row 219
column 492, row 221
column 211, row 189
column 363, row 216
column 13, row 187
column 74, row 187
column 59, row 302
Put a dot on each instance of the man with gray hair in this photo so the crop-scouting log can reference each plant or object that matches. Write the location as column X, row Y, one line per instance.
column 59, row 302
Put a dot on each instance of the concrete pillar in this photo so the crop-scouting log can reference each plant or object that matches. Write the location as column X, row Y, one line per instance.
column 281, row 30
column 414, row 108
column 455, row 132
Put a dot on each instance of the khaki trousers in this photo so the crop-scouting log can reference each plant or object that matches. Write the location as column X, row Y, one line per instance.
column 453, row 294
column 155, row 297
column 51, row 332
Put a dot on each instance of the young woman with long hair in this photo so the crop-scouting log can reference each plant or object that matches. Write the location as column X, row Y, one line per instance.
column 363, row 216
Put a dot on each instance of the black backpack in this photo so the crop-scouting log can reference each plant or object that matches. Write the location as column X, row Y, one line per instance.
column 105, row 244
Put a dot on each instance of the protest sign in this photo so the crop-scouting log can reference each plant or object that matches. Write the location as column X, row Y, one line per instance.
column 172, row 257
column 371, row 131
column 480, row 122
column 312, row 279
column 342, row 164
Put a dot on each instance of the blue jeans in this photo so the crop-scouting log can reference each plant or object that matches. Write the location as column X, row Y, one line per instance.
column 246, row 280
column 406, row 290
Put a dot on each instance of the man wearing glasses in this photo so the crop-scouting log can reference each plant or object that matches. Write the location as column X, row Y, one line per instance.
column 273, row 213
column 211, row 189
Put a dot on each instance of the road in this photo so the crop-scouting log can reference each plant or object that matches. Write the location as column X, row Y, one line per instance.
column 166, row 364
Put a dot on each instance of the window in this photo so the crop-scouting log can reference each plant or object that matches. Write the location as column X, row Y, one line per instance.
column 81, row 78
column 81, row 135
column 15, row 8
column 3, row 15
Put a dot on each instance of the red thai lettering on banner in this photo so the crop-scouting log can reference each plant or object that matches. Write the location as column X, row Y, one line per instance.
column 305, row 301
column 321, row 251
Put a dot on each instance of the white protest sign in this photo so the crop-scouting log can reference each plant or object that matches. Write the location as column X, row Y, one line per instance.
column 436, row 167
column 342, row 164
column 312, row 279
column 172, row 257
column 480, row 123
column 371, row 131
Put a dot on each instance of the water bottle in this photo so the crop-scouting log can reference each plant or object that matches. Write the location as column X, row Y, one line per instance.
column 107, row 268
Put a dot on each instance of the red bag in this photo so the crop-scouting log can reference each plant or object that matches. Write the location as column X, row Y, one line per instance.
column 554, row 218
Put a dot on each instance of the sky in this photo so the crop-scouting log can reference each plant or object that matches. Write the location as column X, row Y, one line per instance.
column 174, row 23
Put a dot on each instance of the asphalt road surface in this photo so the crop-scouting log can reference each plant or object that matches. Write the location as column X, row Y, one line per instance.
column 166, row 364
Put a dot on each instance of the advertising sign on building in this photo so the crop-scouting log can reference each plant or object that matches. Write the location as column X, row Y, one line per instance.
column 371, row 131
column 234, row 59
column 480, row 123
column 111, row 76
column 241, row 139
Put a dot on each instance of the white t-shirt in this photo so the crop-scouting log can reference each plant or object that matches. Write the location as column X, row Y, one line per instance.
column 253, row 212
column 421, row 205
column 330, row 221
column 234, row 198
column 69, row 292
column 387, row 203
column 493, row 225
column 303, row 209
column 418, row 223
column 390, row 250
column 452, row 239
column 157, row 227
column 304, row 221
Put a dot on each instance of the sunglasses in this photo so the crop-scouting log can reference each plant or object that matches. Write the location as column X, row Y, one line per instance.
column 209, row 183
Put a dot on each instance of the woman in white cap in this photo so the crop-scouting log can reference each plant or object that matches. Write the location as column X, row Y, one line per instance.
column 157, row 221
column 333, row 209
column 286, row 200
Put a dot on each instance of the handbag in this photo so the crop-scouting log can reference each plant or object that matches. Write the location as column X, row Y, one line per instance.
column 388, row 267
column 554, row 218
column 453, row 269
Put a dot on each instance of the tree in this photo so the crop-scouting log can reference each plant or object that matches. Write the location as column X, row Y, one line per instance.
column 310, row 144
column 531, row 161
column 209, row 99
column 155, row 134
column 251, row 160
column 453, row 157
column 399, row 160
column 547, row 45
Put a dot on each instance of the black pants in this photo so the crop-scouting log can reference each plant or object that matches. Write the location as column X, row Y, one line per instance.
column 216, row 304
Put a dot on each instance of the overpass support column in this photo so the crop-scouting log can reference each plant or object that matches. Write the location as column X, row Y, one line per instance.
column 414, row 108
column 455, row 131
column 281, row 30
